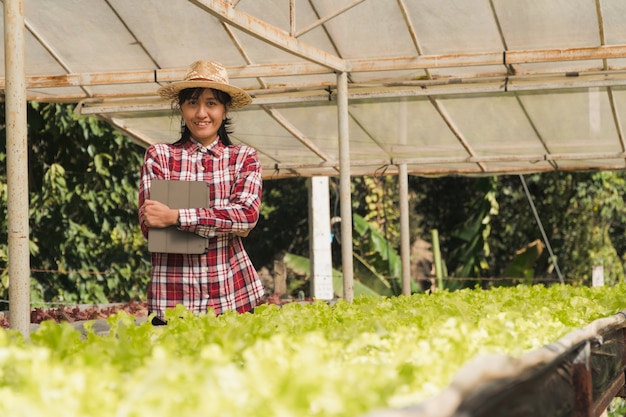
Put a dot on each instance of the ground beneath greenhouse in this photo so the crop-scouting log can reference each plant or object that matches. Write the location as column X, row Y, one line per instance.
column 78, row 315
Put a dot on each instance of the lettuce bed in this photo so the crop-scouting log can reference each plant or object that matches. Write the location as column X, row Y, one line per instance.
column 299, row 360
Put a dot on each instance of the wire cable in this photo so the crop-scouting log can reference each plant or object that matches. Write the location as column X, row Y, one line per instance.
column 543, row 233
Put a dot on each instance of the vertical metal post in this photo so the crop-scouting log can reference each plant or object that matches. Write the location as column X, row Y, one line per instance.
column 405, row 241
column 344, row 187
column 17, row 167
column 292, row 17
column 403, row 194
column 437, row 259
column 319, row 239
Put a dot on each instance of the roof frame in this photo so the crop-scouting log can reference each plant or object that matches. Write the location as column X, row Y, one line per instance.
column 425, row 62
column 269, row 34
column 495, row 71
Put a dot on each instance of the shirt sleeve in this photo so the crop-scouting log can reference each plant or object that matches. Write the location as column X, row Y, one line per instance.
column 241, row 213
column 153, row 161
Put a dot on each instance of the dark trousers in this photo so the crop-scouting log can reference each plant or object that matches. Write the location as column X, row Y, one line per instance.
column 158, row 322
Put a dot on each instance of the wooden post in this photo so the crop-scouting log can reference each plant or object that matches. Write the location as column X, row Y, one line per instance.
column 597, row 276
column 280, row 277
column 437, row 259
column 581, row 379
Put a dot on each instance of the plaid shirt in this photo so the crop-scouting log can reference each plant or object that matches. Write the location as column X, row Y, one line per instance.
column 224, row 278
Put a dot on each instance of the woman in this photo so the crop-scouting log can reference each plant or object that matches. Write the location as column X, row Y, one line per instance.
column 224, row 278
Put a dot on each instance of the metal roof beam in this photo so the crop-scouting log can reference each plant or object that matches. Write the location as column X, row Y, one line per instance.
column 425, row 88
column 325, row 19
column 410, row 26
column 267, row 33
column 49, row 49
column 616, row 119
column 565, row 54
column 448, row 120
column 532, row 159
column 135, row 136
column 356, row 65
column 488, row 58
column 295, row 132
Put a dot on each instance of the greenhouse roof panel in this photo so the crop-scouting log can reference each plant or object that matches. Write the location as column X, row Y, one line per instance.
column 476, row 87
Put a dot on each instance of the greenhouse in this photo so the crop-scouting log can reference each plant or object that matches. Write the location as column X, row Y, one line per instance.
column 345, row 88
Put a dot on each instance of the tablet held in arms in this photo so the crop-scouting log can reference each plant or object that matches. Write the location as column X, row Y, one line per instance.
column 177, row 195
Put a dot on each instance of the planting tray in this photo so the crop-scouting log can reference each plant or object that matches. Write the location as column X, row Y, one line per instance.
column 578, row 375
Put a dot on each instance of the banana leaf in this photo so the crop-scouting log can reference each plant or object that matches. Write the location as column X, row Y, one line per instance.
column 302, row 266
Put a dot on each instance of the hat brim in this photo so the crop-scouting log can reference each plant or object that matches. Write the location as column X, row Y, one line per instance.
column 239, row 97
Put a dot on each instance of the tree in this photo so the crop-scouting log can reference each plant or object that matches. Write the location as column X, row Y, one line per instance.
column 596, row 211
column 456, row 207
column 582, row 214
column 283, row 222
column 86, row 244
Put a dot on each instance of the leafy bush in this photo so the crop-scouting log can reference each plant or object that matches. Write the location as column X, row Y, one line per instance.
column 85, row 241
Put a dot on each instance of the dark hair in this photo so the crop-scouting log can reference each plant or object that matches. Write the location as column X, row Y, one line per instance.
column 193, row 93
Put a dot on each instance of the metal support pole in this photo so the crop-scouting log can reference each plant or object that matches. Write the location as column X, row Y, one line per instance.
column 17, row 167
column 405, row 241
column 344, row 187
column 437, row 259
column 319, row 239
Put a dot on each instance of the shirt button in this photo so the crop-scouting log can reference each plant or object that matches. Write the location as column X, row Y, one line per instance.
column 205, row 269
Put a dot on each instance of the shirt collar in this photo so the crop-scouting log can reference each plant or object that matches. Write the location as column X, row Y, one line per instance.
column 216, row 148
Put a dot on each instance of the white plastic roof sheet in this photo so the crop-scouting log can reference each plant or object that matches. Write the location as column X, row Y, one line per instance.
column 472, row 87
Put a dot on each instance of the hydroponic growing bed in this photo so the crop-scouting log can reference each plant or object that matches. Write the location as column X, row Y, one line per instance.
column 422, row 355
column 578, row 375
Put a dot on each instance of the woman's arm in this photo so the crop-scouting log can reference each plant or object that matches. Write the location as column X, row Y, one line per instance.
column 241, row 212
column 154, row 160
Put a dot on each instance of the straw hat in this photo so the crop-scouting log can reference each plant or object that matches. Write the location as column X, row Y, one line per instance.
column 207, row 74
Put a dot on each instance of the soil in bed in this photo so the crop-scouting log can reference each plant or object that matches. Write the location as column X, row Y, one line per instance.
column 95, row 312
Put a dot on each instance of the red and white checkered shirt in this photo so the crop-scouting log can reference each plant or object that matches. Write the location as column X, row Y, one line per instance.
column 224, row 278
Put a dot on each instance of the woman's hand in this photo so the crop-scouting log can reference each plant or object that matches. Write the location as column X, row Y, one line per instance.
column 156, row 214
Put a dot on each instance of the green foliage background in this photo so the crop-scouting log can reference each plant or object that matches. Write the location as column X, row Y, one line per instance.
column 86, row 245
column 582, row 213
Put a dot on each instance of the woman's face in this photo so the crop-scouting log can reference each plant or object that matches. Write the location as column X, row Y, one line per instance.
column 203, row 116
